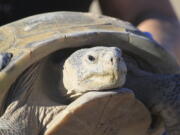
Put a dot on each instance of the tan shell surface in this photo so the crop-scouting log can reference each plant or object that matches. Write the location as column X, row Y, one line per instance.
column 102, row 113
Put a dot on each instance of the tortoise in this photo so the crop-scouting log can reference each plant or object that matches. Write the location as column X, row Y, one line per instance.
column 34, row 48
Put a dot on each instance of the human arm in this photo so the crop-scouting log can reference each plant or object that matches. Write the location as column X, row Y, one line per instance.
column 156, row 17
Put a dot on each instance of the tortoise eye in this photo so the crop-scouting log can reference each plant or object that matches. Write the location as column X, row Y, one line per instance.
column 91, row 58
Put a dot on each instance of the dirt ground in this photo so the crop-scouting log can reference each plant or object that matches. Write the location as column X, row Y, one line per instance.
column 175, row 3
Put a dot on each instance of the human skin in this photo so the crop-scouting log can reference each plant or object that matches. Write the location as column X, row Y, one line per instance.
column 156, row 17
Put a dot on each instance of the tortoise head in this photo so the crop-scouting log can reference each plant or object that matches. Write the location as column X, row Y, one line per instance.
column 98, row 68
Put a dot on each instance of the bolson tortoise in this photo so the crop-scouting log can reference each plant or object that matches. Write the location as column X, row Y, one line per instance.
column 54, row 81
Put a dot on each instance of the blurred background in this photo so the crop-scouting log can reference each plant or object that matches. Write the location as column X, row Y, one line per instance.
column 176, row 4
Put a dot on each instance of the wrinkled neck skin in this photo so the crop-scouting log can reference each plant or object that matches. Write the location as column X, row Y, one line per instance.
column 151, row 89
column 160, row 93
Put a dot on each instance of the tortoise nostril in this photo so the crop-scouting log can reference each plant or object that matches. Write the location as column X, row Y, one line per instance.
column 112, row 60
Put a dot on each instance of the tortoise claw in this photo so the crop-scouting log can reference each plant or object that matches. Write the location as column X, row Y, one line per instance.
column 5, row 58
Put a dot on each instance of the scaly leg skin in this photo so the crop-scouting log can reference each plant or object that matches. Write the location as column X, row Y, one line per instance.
column 16, row 122
column 160, row 93
column 24, row 116
column 4, row 59
column 15, row 119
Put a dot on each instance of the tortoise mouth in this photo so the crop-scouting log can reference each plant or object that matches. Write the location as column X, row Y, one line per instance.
column 102, row 81
column 75, row 95
column 99, row 76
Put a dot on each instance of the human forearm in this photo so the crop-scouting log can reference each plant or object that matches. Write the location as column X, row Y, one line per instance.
column 156, row 17
column 166, row 31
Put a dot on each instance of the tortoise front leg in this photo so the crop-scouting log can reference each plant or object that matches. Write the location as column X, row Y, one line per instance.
column 160, row 93
column 28, row 119
column 19, row 121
